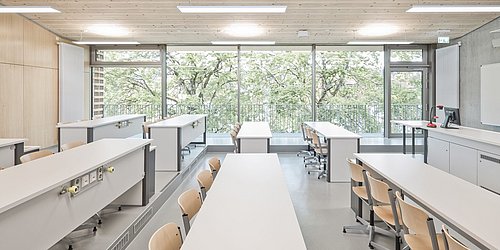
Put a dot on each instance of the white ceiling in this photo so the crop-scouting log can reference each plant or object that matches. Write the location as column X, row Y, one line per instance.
column 328, row 21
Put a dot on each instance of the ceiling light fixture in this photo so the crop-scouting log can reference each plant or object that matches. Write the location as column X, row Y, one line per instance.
column 232, row 9
column 453, row 8
column 104, row 42
column 377, row 42
column 243, row 42
column 378, row 30
column 244, row 30
column 108, row 30
column 27, row 9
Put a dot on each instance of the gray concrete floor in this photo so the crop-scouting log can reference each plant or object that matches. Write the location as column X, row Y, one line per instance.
column 322, row 209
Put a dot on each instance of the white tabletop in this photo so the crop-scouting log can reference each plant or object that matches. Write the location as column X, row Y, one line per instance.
column 467, row 206
column 25, row 181
column 99, row 122
column 411, row 123
column 479, row 135
column 332, row 131
column 5, row 142
column 178, row 121
column 254, row 130
column 248, row 207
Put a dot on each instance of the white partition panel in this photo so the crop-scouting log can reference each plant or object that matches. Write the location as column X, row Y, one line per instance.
column 71, row 87
column 447, row 78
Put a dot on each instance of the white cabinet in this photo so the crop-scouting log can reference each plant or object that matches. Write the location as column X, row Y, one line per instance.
column 489, row 171
column 463, row 162
column 439, row 154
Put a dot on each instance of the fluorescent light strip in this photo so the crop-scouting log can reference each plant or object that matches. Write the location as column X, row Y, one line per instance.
column 232, row 9
column 105, row 42
column 377, row 42
column 243, row 42
column 453, row 8
column 27, row 9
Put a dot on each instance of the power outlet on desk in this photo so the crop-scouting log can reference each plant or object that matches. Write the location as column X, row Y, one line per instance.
column 84, row 182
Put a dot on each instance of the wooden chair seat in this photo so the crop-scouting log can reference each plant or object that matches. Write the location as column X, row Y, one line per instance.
column 322, row 151
column 385, row 213
column 360, row 192
column 422, row 242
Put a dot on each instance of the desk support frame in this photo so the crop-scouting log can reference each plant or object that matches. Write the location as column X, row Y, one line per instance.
column 18, row 152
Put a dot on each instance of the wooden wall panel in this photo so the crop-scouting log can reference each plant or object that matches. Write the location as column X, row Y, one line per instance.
column 11, row 100
column 11, row 38
column 40, row 105
column 40, row 46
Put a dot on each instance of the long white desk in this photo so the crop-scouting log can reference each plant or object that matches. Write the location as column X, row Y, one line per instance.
column 341, row 144
column 248, row 207
column 414, row 125
column 35, row 212
column 10, row 151
column 120, row 126
column 173, row 134
column 254, row 137
column 465, row 207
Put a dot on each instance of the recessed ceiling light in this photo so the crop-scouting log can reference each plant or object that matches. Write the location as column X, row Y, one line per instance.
column 454, row 8
column 108, row 30
column 377, row 42
column 243, row 42
column 232, row 9
column 244, row 30
column 105, row 42
column 27, row 9
column 378, row 30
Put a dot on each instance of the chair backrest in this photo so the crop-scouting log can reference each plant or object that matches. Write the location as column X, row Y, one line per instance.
column 190, row 202
column 35, row 155
column 233, row 134
column 450, row 242
column 71, row 145
column 356, row 171
column 167, row 237
column 414, row 218
column 315, row 139
column 205, row 179
column 214, row 164
column 145, row 129
column 379, row 190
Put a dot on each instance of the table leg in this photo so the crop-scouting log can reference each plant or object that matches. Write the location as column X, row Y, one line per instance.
column 426, row 134
column 413, row 141
column 404, row 139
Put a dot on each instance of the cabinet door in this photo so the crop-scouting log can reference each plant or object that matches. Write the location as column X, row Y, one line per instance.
column 439, row 154
column 489, row 171
column 463, row 162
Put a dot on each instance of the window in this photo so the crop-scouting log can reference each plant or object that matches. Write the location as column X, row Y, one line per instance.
column 407, row 55
column 122, row 55
column 203, row 80
column 350, row 87
column 276, row 86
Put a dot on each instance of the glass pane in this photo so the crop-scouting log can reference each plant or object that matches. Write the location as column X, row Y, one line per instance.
column 406, row 97
column 276, row 87
column 203, row 81
column 134, row 90
column 127, row 55
column 406, row 55
column 350, row 89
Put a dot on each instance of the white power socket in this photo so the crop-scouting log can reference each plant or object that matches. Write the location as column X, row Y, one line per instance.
column 85, row 180
column 93, row 176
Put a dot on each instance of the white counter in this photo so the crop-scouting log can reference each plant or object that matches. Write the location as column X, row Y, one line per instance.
column 478, row 135
column 173, row 134
column 341, row 144
column 31, row 203
column 120, row 126
column 254, row 137
column 11, row 149
column 467, row 208
column 248, row 207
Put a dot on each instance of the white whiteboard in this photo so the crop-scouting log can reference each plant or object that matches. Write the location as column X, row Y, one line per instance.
column 490, row 88
column 447, row 78
column 71, row 88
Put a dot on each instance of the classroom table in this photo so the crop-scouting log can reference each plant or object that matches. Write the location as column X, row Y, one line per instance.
column 11, row 149
column 466, row 208
column 414, row 125
column 254, row 137
column 247, row 207
column 341, row 144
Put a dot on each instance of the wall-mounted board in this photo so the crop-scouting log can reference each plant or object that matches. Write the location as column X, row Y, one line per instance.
column 447, row 78
column 490, row 94
column 71, row 88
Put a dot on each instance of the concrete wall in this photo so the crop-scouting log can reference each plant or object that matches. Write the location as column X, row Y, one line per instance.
column 476, row 50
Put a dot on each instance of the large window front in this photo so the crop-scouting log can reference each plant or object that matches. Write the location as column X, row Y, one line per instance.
column 350, row 88
column 203, row 80
column 276, row 86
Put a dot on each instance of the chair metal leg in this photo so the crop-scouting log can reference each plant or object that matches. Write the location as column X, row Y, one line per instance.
column 185, row 220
